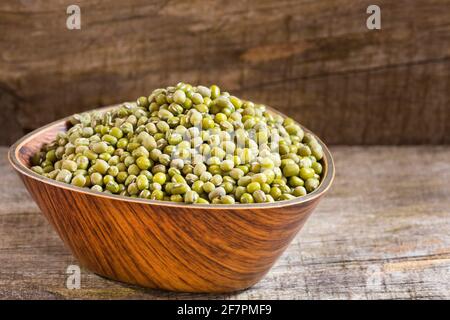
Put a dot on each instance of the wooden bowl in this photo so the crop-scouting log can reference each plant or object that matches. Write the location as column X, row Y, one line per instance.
column 164, row 245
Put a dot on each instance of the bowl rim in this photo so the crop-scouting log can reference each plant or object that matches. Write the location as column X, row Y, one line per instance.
column 22, row 168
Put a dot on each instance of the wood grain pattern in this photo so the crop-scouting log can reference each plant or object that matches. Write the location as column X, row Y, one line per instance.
column 387, row 239
column 178, row 247
column 313, row 60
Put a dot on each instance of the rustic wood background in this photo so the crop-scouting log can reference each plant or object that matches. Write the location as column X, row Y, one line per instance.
column 381, row 233
column 314, row 60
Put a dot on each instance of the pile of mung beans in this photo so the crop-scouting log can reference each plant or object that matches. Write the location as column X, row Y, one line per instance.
column 185, row 143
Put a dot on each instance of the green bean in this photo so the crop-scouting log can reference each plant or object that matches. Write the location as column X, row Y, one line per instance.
column 217, row 193
column 247, row 198
column 244, row 181
column 216, row 179
column 145, row 194
column 295, row 181
column 113, row 187
column 306, row 173
column 253, row 186
column 142, row 182
column 176, row 198
column 299, row 191
column 179, row 97
column 311, row 184
column 116, row 132
column 227, row 165
column 133, row 170
column 101, row 166
column 191, row 196
column 259, row 196
column 291, row 169
column 208, row 187
column 79, row 180
column 69, row 165
column 157, row 195
column 197, row 186
column 38, row 169
column 107, row 179
column 143, row 163
column 179, row 188
column 317, row 167
column 133, row 189
column 227, row 200
column 97, row 179
column 215, row 91
column 159, row 178
column 228, row 186
column 64, row 176
column 260, row 178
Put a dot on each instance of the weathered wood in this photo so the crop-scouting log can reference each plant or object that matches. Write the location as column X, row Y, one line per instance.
column 314, row 60
column 381, row 233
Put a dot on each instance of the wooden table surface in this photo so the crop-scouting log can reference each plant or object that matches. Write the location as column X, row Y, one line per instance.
column 383, row 232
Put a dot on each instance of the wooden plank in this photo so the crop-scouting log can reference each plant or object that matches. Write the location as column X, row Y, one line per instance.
column 381, row 233
column 314, row 60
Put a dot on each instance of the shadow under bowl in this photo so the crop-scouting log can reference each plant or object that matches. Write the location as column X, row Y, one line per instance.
column 164, row 245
